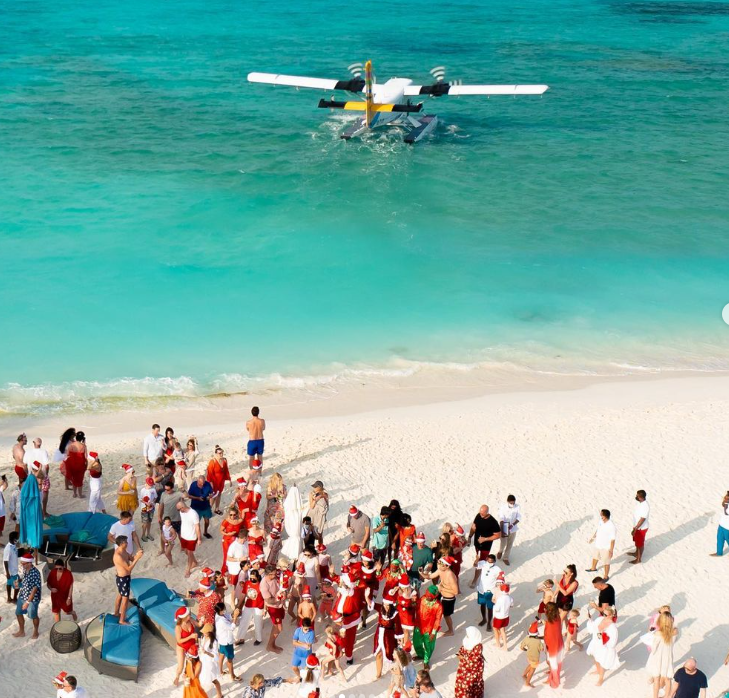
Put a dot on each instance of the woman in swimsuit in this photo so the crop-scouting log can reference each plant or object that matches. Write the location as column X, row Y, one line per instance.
column 566, row 591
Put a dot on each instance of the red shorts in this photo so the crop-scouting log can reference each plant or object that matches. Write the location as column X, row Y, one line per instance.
column 233, row 579
column 482, row 555
column 542, row 607
column 58, row 605
column 2, row 524
column 188, row 544
column 277, row 615
column 639, row 538
column 500, row 622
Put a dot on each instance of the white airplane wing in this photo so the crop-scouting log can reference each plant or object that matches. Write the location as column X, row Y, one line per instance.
column 353, row 85
column 442, row 89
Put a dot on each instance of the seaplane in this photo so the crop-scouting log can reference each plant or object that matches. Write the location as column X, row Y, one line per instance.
column 390, row 103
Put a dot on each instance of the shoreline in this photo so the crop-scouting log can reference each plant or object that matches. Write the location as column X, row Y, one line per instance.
column 206, row 414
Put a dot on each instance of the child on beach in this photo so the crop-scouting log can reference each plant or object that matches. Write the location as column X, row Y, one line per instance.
column 170, row 536
column 323, row 560
column 502, row 608
column 546, row 589
column 307, row 607
column 403, row 673
column 326, row 600
column 571, row 631
column 533, row 647
column 331, row 654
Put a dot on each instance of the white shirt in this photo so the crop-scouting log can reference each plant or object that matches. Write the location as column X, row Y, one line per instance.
column 78, row 692
column 310, row 565
column 10, row 555
column 723, row 518
column 153, row 447
column 189, row 519
column 606, row 533
column 502, row 606
column 641, row 511
column 487, row 579
column 510, row 514
column 147, row 492
column 120, row 529
column 224, row 627
column 36, row 454
column 237, row 549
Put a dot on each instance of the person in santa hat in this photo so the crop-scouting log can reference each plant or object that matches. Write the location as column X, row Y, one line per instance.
column 390, row 576
column 193, row 667
column 407, row 609
column 448, row 588
column 217, row 475
column 371, row 581
column 430, row 613
column 295, row 590
column 458, row 543
column 274, row 544
column 422, row 559
column 489, row 579
column 533, row 647
column 250, row 607
column 303, row 642
column 254, row 472
column 310, row 560
column 240, row 498
column 206, row 603
column 307, row 607
column 353, row 557
column 324, row 560
column 502, row 608
column 230, row 526
column 185, row 638
column 347, row 610
column 67, row 686
column 358, row 527
column 387, row 633
column 256, row 537
column 127, row 498
column 96, row 503
column 250, row 502
column 328, row 592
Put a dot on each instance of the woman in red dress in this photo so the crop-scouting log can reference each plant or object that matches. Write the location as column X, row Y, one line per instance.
column 469, row 676
column 229, row 528
column 387, row 632
column 60, row 583
column 218, row 473
column 76, row 463
column 185, row 636
column 553, row 643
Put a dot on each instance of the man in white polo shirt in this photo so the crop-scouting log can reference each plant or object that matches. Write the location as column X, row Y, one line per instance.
column 125, row 527
column 190, row 536
column 604, row 543
column 154, row 446
column 640, row 526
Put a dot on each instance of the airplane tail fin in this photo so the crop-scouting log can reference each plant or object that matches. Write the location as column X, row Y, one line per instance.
column 369, row 110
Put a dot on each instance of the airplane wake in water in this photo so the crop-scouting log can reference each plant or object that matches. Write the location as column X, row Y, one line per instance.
column 389, row 103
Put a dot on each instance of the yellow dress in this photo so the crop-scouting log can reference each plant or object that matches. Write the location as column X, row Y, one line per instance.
column 127, row 502
column 193, row 689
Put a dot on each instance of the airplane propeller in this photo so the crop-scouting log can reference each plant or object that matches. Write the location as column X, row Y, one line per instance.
column 440, row 87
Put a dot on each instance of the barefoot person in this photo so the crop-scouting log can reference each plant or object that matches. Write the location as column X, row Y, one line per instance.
column 29, row 596
column 217, row 474
column 273, row 597
column 641, row 514
column 722, row 530
column 604, row 543
column 124, row 563
column 60, row 584
column 484, row 531
column 21, row 469
column 190, row 536
column 40, row 456
column 448, row 588
column 255, row 426
column 603, row 643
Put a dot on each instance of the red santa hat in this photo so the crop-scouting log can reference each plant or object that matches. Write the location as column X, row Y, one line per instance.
column 58, row 680
column 256, row 465
column 312, row 661
column 182, row 612
column 447, row 560
column 241, row 481
column 501, row 577
column 390, row 596
column 35, row 466
column 27, row 559
column 321, row 548
column 367, row 555
column 306, row 592
column 505, row 588
column 404, row 580
column 94, row 455
column 255, row 519
column 275, row 533
column 459, row 529
column 207, row 571
column 205, row 584
column 128, row 468
column 534, row 628
column 193, row 652
column 145, row 499
column 420, row 537
column 300, row 570
column 354, row 549
column 353, row 509
column 149, row 482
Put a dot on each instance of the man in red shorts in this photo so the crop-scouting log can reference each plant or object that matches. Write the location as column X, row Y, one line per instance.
column 640, row 526
column 273, row 598
column 190, row 536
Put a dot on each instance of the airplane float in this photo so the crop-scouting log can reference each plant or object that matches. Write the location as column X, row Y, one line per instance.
column 388, row 103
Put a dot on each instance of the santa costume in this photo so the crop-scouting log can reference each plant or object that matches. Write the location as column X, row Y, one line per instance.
column 388, row 630
column 346, row 612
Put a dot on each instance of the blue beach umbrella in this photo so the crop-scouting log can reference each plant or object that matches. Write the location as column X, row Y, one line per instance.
column 31, row 514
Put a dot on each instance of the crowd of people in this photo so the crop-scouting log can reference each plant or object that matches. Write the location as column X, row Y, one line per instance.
column 390, row 576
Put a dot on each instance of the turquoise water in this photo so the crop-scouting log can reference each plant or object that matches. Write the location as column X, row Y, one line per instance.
column 167, row 228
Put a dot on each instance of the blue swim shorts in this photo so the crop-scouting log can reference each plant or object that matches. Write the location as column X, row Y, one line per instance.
column 486, row 599
column 255, row 447
column 31, row 611
column 299, row 658
column 226, row 651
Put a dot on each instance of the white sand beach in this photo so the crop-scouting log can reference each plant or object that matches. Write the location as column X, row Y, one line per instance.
column 564, row 454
